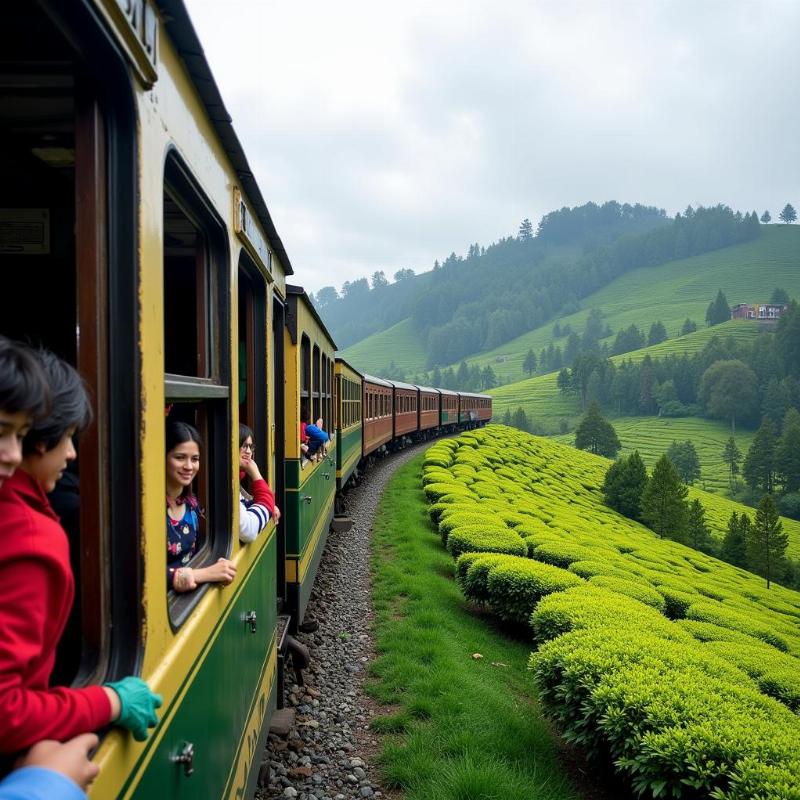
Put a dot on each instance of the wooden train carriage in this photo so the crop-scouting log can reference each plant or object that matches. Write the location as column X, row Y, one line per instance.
column 406, row 409
column 428, row 408
column 348, row 421
column 474, row 408
column 448, row 407
column 309, row 359
column 376, row 405
column 130, row 214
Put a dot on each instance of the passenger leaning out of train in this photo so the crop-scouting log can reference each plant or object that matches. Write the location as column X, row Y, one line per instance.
column 313, row 435
column 183, row 514
column 38, row 586
column 255, row 510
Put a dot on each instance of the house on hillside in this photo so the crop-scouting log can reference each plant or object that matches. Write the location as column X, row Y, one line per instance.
column 759, row 311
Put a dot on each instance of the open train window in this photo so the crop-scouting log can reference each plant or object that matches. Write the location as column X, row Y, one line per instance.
column 67, row 178
column 252, row 349
column 305, row 378
column 196, row 355
column 316, row 392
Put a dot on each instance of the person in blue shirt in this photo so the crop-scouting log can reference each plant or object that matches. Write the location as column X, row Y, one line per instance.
column 53, row 771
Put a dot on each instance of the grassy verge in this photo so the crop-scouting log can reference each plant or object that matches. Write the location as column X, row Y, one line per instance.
column 458, row 727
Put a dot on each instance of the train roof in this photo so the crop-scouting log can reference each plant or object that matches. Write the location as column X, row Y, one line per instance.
column 401, row 385
column 299, row 291
column 429, row 389
column 377, row 381
column 447, row 391
column 179, row 26
column 349, row 365
column 475, row 394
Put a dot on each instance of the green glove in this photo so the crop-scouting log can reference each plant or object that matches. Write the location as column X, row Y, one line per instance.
column 138, row 706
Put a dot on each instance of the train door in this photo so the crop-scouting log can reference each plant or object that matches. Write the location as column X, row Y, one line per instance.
column 67, row 257
column 279, row 421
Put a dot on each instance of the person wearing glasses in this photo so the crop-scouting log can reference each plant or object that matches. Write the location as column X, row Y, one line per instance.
column 255, row 510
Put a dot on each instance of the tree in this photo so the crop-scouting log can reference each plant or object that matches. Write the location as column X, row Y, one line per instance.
column 664, row 501
column 326, row 297
column 766, row 218
column 732, row 456
column 519, row 419
column 729, row 388
column 767, row 542
column 788, row 214
column 759, row 464
column 564, row 381
column 718, row 310
column 734, row 544
column 780, row 296
column 689, row 326
column 529, row 364
column 658, row 333
column 624, row 483
column 596, row 434
column 488, row 378
column 379, row 279
column 403, row 275
column 697, row 533
column 684, row 456
column 525, row 230
column 787, row 452
column 462, row 376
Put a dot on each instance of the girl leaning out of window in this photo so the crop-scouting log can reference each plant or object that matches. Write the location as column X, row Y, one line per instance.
column 183, row 514
column 254, row 510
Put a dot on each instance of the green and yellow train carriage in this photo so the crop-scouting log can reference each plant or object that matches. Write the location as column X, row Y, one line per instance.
column 151, row 239
column 348, row 422
column 310, row 485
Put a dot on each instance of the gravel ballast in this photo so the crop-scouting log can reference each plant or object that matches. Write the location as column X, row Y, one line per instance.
column 326, row 756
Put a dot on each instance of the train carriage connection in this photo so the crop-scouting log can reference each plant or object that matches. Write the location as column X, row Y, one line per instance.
column 348, row 421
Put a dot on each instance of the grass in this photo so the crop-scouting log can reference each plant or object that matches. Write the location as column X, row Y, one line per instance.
column 457, row 727
column 401, row 343
column 652, row 436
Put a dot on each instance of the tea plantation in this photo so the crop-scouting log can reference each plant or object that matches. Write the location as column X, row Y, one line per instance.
column 683, row 669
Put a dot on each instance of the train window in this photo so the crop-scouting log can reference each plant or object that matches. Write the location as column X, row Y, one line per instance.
column 67, row 178
column 196, row 354
column 252, row 352
column 316, row 392
column 305, row 368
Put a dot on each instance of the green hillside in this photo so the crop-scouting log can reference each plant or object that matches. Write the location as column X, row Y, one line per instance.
column 672, row 292
column 400, row 344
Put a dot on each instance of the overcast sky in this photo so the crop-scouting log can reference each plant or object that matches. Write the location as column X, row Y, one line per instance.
column 386, row 135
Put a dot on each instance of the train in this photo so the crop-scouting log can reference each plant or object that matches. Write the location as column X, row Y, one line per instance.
column 137, row 245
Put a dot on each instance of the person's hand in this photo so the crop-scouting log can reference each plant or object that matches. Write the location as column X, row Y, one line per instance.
column 252, row 471
column 138, row 706
column 223, row 571
column 276, row 514
column 70, row 759
column 184, row 580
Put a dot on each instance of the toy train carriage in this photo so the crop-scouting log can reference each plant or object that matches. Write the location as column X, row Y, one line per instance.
column 428, row 410
column 377, row 405
column 131, row 215
column 310, row 484
column 348, row 393
column 474, row 409
column 406, row 411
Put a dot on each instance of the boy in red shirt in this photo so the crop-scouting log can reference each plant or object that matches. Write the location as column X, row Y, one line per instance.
column 35, row 572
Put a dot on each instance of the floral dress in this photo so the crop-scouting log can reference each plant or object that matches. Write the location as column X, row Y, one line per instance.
column 182, row 538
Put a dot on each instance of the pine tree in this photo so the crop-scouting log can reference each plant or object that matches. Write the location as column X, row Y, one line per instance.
column 734, row 545
column 767, row 541
column 766, row 218
column 759, row 464
column 787, row 452
column 519, row 419
column 624, row 483
column 658, row 333
column 525, row 230
column 596, row 434
column 732, row 456
column 664, row 501
column 689, row 326
column 788, row 214
column 697, row 532
column 529, row 364
column 718, row 310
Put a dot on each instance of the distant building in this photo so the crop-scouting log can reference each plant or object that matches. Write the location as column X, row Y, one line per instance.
column 758, row 311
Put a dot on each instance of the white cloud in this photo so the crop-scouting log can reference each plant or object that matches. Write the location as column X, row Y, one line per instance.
column 385, row 136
